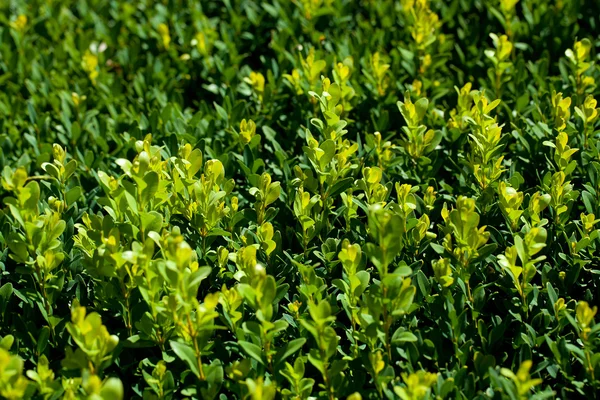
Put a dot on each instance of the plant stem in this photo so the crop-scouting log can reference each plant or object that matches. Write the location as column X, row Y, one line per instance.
column 192, row 332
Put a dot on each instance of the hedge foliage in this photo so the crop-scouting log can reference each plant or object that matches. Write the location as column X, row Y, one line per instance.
column 306, row 199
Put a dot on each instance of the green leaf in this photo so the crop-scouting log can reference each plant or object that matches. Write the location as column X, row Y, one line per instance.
column 328, row 148
column 73, row 195
column 290, row 348
column 588, row 201
column 273, row 193
column 187, row 355
column 252, row 350
column 151, row 187
column 6, row 292
column 401, row 336
column 151, row 221
column 112, row 389
column 7, row 342
column 42, row 341
column 551, row 293
column 221, row 111
column 340, row 186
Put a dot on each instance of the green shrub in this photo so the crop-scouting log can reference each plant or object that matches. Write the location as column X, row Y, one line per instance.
column 336, row 199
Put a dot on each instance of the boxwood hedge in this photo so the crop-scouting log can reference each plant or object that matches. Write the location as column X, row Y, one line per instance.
column 306, row 199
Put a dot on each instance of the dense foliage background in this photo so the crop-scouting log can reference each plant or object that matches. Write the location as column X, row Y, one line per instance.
column 300, row 199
